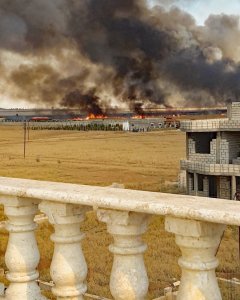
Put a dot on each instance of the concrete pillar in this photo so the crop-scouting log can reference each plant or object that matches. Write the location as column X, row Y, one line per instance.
column 206, row 186
column 225, row 187
column 22, row 255
column 198, row 242
column 233, row 186
column 218, row 145
column 68, row 268
column 129, row 278
column 187, row 182
column 187, row 145
column 195, row 183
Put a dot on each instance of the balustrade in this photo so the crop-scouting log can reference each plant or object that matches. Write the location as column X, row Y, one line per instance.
column 198, row 242
column 129, row 278
column 68, row 269
column 22, row 255
column 198, row 224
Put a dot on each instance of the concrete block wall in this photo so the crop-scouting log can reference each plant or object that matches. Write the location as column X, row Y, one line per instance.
column 190, row 185
column 229, row 150
column 224, row 151
column 191, row 146
column 202, row 158
column 234, row 111
column 182, row 180
column 205, row 192
column 191, row 191
column 232, row 140
column 206, row 186
column 225, row 187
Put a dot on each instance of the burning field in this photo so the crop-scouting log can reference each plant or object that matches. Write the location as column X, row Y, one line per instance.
column 100, row 56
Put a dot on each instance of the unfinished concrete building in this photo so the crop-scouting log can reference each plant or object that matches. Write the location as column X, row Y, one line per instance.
column 212, row 164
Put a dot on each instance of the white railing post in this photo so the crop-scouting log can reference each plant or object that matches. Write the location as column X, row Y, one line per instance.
column 129, row 280
column 198, row 242
column 68, row 268
column 22, row 255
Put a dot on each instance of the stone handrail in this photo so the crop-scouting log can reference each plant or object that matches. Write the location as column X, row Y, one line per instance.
column 198, row 226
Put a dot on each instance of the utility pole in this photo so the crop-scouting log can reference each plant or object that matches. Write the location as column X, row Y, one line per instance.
column 28, row 128
column 24, row 138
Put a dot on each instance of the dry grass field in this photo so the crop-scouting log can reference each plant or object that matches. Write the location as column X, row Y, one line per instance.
column 146, row 161
column 138, row 160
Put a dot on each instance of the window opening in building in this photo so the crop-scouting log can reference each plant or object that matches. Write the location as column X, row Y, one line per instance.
column 238, row 182
column 200, row 183
column 212, row 186
column 203, row 141
column 237, row 194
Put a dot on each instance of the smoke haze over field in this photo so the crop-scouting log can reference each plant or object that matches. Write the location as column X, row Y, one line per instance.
column 98, row 54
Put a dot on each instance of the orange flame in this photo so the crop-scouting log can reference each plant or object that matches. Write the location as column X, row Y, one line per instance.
column 139, row 117
column 93, row 116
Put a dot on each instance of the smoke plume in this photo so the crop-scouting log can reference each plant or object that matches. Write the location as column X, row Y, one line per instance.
column 95, row 54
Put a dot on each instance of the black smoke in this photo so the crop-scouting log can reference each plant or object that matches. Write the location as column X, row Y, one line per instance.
column 86, row 102
column 124, row 50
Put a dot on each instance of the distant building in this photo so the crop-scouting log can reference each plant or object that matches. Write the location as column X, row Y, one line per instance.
column 118, row 124
column 212, row 164
column 148, row 124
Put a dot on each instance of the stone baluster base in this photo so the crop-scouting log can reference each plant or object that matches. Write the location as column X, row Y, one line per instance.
column 22, row 255
column 129, row 280
column 198, row 242
column 68, row 267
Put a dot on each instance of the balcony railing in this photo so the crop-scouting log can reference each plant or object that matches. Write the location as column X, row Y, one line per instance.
column 211, row 169
column 198, row 226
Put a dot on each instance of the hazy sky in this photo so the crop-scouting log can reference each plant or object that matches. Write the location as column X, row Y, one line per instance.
column 201, row 9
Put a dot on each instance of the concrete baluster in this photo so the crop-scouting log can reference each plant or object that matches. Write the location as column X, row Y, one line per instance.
column 68, row 268
column 22, row 255
column 198, row 242
column 129, row 280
